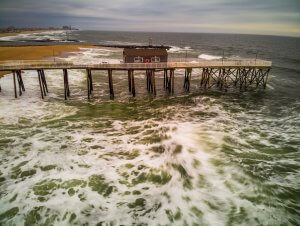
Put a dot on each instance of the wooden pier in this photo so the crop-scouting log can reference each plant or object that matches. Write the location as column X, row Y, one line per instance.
column 221, row 74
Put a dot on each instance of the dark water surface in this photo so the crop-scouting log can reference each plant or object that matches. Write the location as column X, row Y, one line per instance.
column 204, row 158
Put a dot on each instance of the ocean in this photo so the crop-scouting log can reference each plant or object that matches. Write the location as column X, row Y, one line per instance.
column 198, row 158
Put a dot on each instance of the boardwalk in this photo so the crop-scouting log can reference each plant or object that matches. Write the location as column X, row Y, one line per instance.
column 222, row 74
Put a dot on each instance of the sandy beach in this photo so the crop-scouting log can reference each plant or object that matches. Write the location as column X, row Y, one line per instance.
column 36, row 52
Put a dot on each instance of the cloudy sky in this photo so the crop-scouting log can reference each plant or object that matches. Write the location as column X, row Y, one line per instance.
column 275, row 17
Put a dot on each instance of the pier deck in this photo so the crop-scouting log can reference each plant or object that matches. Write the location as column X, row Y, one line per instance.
column 222, row 74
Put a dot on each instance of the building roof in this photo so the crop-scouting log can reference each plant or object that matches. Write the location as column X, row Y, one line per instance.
column 145, row 52
column 135, row 46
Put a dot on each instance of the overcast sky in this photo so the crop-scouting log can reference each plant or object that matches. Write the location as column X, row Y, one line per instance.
column 278, row 17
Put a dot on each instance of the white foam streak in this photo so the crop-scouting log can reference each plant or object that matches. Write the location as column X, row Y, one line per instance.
column 176, row 49
column 37, row 36
column 209, row 57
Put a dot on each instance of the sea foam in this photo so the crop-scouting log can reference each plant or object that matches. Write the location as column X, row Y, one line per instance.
column 209, row 57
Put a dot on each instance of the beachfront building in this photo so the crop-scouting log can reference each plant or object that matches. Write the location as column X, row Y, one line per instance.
column 145, row 55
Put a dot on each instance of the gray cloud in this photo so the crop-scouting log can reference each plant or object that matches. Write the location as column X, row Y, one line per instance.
column 237, row 16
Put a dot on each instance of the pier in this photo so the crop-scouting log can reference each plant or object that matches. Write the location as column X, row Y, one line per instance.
column 222, row 74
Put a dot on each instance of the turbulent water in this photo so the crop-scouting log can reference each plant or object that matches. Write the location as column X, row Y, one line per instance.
column 204, row 158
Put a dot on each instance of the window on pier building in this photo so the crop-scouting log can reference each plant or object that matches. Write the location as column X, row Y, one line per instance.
column 138, row 59
column 155, row 59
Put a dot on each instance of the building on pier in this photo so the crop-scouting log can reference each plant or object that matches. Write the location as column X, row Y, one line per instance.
column 148, row 54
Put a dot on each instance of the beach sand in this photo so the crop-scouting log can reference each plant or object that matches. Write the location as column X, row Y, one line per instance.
column 36, row 52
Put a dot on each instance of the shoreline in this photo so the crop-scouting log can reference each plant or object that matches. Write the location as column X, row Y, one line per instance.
column 15, row 33
column 36, row 52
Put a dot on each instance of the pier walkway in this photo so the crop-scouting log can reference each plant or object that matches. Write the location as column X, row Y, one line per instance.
column 219, row 73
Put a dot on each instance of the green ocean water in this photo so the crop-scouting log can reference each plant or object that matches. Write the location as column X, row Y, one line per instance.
column 199, row 158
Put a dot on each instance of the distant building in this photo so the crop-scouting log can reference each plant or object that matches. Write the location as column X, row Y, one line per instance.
column 145, row 55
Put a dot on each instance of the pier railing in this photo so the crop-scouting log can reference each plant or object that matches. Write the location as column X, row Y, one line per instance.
column 44, row 64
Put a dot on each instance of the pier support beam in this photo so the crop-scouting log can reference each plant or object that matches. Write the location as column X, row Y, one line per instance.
column 90, row 87
column 110, row 83
column 205, row 77
column 20, row 82
column 150, row 76
column 169, row 81
column 153, row 82
column 242, row 77
column 266, row 76
column 15, row 86
column 165, row 78
column 149, row 81
column 131, row 82
column 42, row 83
column 172, row 77
column 66, row 84
column 17, row 76
column 187, row 79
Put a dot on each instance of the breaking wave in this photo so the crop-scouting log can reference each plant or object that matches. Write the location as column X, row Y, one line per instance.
column 209, row 57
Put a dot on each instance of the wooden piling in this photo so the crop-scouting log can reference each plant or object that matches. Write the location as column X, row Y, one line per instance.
column 187, row 79
column 40, row 83
column 258, row 74
column 153, row 82
column 20, row 82
column 172, row 82
column 207, row 77
column 147, row 80
column 66, row 84
column 88, row 83
column 169, row 81
column 237, row 75
column 89, row 80
column 221, row 78
column 266, row 79
column 15, row 88
column 132, row 83
column 44, row 80
column 110, row 81
column 259, row 77
column 165, row 78
column 202, row 77
column 168, row 84
column 129, row 80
